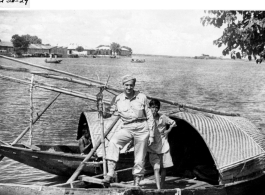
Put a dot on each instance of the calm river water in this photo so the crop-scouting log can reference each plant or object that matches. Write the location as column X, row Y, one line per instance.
column 225, row 85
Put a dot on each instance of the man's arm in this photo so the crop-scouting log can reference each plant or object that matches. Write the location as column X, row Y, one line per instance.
column 150, row 121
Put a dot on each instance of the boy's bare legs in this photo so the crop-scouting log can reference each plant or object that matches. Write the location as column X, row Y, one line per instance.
column 157, row 178
column 163, row 177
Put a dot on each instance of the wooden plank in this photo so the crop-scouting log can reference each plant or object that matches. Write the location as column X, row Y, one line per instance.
column 93, row 164
column 80, row 167
column 90, row 179
column 99, row 181
column 69, row 185
column 198, row 184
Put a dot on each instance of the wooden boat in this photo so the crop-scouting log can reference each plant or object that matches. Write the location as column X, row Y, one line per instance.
column 63, row 160
column 53, row 61
column 216, row 152
column 138, row 60
column 219, row 150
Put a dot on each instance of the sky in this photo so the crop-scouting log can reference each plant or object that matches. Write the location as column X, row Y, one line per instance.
column 156, row 29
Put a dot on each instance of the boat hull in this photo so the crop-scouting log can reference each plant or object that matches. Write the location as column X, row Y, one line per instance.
column 244, row 188
column 54, row 161
column 53, row 61
column 254, row 186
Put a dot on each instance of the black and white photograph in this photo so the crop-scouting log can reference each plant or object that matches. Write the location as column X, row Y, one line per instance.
column 131, row 98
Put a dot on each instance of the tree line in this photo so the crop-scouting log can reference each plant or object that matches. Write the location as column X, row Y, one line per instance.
column 21, row 43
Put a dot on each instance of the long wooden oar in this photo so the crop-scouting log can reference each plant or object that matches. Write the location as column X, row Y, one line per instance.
column 118, row 90
column 82, row 164
column 34, row 121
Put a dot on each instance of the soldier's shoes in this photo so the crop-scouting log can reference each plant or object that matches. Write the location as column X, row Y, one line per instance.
column 107, row 179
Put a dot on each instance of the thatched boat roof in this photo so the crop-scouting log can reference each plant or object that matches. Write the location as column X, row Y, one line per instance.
column 230, row 140
column 93, row 122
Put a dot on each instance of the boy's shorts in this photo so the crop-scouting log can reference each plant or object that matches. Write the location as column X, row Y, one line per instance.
column 156, row 159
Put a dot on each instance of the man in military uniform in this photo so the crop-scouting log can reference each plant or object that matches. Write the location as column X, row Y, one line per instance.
column 138, row 125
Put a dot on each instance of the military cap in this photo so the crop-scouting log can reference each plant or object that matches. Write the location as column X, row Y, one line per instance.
column 127, row 78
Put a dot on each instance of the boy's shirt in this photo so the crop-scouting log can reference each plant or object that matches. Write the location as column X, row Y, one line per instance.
column 160, row 144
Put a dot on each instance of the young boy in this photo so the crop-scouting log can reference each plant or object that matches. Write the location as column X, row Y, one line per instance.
column 159, row 151
column 85, row 141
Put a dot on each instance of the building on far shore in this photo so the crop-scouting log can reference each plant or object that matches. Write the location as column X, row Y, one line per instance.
column 35, row 49
column 71, row 50
column 104, row 50
column 48, row 49
column 125, row 52
column 6, row 47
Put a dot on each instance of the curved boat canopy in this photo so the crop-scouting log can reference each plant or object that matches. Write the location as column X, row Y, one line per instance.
column 91, row 119
column 230, row 140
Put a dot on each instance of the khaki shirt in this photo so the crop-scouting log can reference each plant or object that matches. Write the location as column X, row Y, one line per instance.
column 134, row 109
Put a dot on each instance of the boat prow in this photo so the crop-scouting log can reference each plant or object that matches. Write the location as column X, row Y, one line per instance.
column 53, row 61
column 138, row 60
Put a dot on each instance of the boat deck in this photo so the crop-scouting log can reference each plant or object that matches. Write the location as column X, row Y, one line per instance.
column 172, row 183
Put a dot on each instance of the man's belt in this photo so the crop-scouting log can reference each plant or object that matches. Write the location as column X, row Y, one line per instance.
column 135, row 121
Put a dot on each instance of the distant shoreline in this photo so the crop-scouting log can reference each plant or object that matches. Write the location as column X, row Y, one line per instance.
column 184, row 57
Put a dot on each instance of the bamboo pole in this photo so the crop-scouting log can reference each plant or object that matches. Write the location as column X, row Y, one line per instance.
column 31, row 110
column 50, row 69
column 4, row 143
column 82, row 164
column 103, row 143
column 46, row 75
column 56, row 89
column 9, row 68
column 118, row 90
column 100, row 110
column 34, row 121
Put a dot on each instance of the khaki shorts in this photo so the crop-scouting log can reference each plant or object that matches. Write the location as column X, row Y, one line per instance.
column 156, row 159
